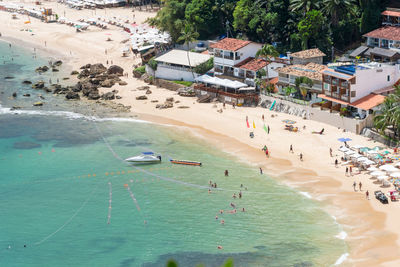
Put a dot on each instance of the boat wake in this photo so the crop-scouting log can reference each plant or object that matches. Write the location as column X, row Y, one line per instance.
column 66, row 114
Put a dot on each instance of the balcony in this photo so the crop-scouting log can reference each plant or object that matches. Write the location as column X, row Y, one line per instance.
column 216, row 54
column 228, row 57
column 250, row 75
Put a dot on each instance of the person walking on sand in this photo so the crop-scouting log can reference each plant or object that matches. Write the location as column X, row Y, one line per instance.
column 351, row 170
column 336, row 163
column 354, row 186
column 360, row 185
column 267, row 153
column 268, row 129
column 347, row 171
column 261, row 171
column 330, row 151
column 291, row 149
column 247, row 118
column 262, row 117
column 367, row 195
column 301, row 156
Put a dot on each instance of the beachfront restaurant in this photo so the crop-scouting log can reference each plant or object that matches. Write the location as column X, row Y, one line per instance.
column 226, row 91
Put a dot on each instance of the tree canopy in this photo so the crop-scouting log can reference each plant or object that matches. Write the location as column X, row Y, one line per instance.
column 287, row 24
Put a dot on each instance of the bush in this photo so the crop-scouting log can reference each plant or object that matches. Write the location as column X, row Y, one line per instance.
column 152, row 64
column 185, row 83
column 141, row 69
column 204, row 67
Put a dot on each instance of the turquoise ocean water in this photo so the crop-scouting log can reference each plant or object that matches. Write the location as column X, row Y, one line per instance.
column 61, row 172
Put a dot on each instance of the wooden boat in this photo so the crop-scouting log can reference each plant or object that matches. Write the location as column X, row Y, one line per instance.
column 185, row 162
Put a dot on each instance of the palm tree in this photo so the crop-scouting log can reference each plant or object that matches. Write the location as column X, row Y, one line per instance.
column 302, row 80
column 303, row 5
column 336, row 8
column 267, row 52
column 188, row 35
column 389, row 114
column 289, row 90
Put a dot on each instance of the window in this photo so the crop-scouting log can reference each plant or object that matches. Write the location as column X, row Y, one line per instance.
column 327, row 87
column 353, row 93
column 388, row 78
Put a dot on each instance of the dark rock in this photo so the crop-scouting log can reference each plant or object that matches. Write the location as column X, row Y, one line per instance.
column 122, row 83
column 148, row 92
column 14, row 94
column 169, row 99
column 38, row 104
column 26, row 145
column 183, row 107
column 136, row 74
column 97, row 69
column 48, row 90
column 107, row 83
column 57, row 63
column 27, row 82
column 15, row 107
column 9, row 77
column 74, row 72
column 114, row 69
column 42, row 69
column 118, row 97
column 85, row 66
column 93, row 95
column 65, row 78
column 38, row 85
column 77, row 87
column 54, row 70
column 72, row 95
column 27, row 95
column 83, row 74
column 145, row 87
column 108, row 96
column 165, row 105
column 41, row 97
column 142, row 97
column 154, row 101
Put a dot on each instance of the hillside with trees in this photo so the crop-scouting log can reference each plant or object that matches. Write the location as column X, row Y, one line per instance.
column 289, row 24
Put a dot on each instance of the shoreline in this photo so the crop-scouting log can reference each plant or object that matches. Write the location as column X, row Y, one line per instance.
column 370, row 243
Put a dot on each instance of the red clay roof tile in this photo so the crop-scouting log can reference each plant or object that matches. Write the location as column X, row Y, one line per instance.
column 388, row 32
column 231, row 44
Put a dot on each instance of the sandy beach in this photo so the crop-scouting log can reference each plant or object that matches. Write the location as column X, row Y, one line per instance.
column 370, row 228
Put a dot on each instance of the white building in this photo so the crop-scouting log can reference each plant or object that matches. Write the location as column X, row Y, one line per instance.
column 174, row 65
column 229, row 52
column 356, row 86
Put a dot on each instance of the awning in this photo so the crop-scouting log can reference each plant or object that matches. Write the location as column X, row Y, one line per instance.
column 333, row 99
column 368, row 102
column 221, row 82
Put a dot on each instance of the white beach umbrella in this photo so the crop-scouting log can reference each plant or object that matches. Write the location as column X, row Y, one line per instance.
column 362, row 159
column 387, row 167
column 395, row 174
column 382, row 177
column 349, row 152
column 369, row 162
column 343, row 149
column 356, row 156
column 377, row 173
column 357, row 146
column 371, row 152
column 372, row 169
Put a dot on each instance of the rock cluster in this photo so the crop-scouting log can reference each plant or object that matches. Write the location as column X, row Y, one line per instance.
column 169, row 103
column 186, row 91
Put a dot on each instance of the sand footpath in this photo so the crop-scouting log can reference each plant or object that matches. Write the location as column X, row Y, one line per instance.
column 372, row 228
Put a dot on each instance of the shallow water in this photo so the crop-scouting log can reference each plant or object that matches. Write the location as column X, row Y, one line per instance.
column 59, row 172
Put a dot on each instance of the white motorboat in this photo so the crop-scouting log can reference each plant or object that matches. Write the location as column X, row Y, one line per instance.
column 145, row 158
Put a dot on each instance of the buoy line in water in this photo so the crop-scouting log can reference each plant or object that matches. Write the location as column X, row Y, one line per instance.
column 70, row 219
column 109, row 203
column 133, row 197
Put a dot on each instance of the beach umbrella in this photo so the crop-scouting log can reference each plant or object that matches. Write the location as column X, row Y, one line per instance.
column 378, row 157
column 364, row 149
column 369, row 162
column 385, row 152
column 344, row 139
column 356, row 156
column 343, row 149
column 377, row 173
column 362, row 159
column 381, row 177
column 388, row 167
column 395, row 174
column 371, row 151
column 372, row 168
column 350, row 152
column 357, row 146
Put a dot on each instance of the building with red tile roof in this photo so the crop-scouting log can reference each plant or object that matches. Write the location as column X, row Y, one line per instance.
column 384, row 37
column 230, row 44
column 253, row 64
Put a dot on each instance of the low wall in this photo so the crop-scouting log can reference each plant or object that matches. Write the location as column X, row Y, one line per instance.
column 168, row 84
column 316, row 114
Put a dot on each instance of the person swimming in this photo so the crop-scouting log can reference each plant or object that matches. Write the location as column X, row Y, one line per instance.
column 216, row 217
column 234, row 195
column 243, row 210
column 222, row 222
column 221, row 211
column 209, row 191
column 233, row 205
column 240, row 194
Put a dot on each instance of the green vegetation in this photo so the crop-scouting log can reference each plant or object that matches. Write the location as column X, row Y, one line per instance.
column 204, row 67
column 188, row 35
column 173, row 263
column 388, row 117
column 152, row 64
column 185, row 83
column 290, row 24
column 141, row 69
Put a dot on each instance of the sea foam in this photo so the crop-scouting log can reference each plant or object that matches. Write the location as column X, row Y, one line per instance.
column 341, row 259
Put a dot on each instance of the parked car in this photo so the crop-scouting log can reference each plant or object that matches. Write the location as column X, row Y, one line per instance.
column 379, row 195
